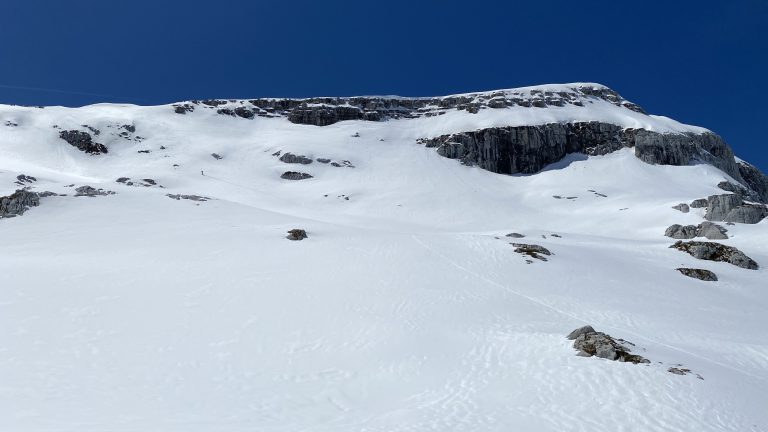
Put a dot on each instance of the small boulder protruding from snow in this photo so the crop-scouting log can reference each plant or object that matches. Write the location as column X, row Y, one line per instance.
column 296, row 234
column 700, row 274
column 593, row 343
column 682, row 207
column 294, row 175
column 515, row 235
column 295, row 159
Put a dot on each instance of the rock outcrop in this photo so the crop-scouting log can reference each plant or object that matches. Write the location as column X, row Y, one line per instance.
column 732, row 208
column 593, row 343
column 293, row 175
column 682, row 207
column 528, row 149
column 295, row 159
column 532, row 250
column 756, row 180
column 711, row 231
column 716, row 252
column 18, row 202
column 83, row 141
column 700, row 274
column 89, row 191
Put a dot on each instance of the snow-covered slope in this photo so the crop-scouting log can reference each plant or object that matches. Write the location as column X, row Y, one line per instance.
column 406, row 309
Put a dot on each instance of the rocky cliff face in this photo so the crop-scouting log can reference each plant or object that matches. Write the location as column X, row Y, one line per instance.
column 528, row 149
column 329, row 110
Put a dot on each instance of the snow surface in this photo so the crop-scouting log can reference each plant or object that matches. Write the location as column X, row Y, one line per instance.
column 406, row 309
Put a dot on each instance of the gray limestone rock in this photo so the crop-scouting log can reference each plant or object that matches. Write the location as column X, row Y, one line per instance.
column 747, row 214
column 718, row 206
column 18, row 202
column 700, row 274
column 756, row 180
column 716, row 252
column 293, row 175
column 515, row 235
column 83, row 141
column 593, row 343
column 685, row 149
column 681, row 232
column 682, row 207
column 532, row 250
column 295, row 159
column 91, row 192
column 580, row 331
column 731, row 208
column 699, row 203
column 296, row 234
column 188, row 197
column 711, row 231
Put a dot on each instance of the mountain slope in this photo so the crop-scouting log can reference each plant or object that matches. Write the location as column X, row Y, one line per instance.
column 406, row 309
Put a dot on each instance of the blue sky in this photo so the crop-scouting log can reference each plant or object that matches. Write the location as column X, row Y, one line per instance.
column 701, row 62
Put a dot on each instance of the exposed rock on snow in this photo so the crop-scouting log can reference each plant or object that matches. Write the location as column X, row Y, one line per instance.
column 83, row 141
column 696, row 273
column 532, row 250
column 295, row 159
column 294, row 175
column 17, row 203
column 731, row 208
column 716, row 252
column 711, row 231
column 681, row 232
column 699, row 203
column 23, row 179
column 188, row 197
column 147, row 182
column 593, row 343
column 216, row 156
column 183, row 108
column 682, row 207
column 515, row 235
column 580, row 331
column 91, row 192
column 296, row 234
column 755, row 179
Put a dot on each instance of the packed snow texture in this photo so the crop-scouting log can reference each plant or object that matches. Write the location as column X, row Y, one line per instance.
column 405, row 309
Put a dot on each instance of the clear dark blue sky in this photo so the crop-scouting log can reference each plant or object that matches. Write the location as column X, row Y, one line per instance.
column 701, row 62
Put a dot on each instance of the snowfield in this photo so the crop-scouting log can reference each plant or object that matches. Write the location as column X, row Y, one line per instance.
column 406, row 309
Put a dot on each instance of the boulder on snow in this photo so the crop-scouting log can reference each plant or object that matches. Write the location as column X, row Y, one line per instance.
column 515, row 235
column 18, row 202
column 91, row 192
column 532, row 250
column 295, row 159
column 712, row 251
column 701, row 274
column 681, row 232
column 293, row 175
column 296, row 234
column 682, row 207
column 593, row 343
column 712, row 231
column 83, row 141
